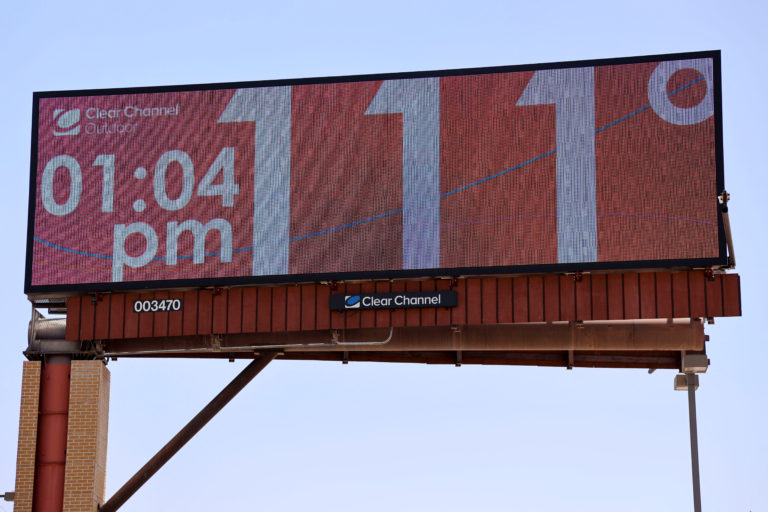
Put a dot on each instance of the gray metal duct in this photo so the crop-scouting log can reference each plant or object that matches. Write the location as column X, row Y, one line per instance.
column 46, row 336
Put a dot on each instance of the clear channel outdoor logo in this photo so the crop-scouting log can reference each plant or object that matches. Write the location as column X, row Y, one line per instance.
column 352, row 302
column 67, row 122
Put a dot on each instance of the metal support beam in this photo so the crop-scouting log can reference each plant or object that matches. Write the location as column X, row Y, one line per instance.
column 691, row 378
column 187, row 433
column 51, row 453
column 647, row 336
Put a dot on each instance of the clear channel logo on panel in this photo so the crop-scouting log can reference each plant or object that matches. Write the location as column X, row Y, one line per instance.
column 67, row 122
column 352, row 302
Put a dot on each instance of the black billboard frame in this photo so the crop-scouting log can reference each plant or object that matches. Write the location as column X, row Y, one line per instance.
column 721, row 261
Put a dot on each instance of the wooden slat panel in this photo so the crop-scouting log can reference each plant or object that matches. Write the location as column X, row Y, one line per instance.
column 680, row 307
column 504, row 303
column 459, row 313
column 489, row 304
column 696, row 294
column 443, row 315
column 382, row 315
column 72, row 326
column 131, row 319
column 205, row 312
column 647, row 281
column 631, row 297
column 615, row 296
column 101, row 318
column 599, row 295
column 413, row 315
column 551, row 298
column 146, row 320
column 308, row 307
column 428, row 315
column 293, row 309
column 323, row 314
column 279, row 306
column 520, row 299
column 368, row 318
column 731, row 295
column 474, row 302
column 481, row 301
column 87, row 316
column 235, row 311
column 160, row 320
column 264, row 310
column 190, row 312
column 567, row 298
column 536, row 299
column 583, row 298
column 116, row 316
column 398, row 315
column 714, row 291
column 219, row 309
column 352, row 316
column 663, row 295
column 250, row 298
column 176, row 318
column 338, row 320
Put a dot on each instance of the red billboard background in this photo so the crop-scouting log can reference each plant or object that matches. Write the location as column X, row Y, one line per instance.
column 655, row 181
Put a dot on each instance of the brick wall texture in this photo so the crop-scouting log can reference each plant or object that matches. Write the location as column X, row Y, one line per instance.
column 85, row 470
column 25, row 455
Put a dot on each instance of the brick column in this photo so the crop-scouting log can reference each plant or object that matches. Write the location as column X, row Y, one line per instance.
column 85, row 419
column 27, row 447
column 85, row 470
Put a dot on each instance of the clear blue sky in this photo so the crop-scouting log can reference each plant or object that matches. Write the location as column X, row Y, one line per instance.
column 323, row 436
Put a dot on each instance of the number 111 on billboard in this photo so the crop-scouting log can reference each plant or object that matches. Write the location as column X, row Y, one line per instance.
column 570, row 90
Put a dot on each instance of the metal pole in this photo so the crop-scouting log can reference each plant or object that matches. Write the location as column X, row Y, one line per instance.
column 51, row 451
column 691, row 378
column 186, row 433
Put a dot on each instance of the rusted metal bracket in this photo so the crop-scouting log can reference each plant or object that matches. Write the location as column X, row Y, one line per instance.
column 723, row 199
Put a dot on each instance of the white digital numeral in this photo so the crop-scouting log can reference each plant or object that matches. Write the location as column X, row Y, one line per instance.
column 75, row 185
column 418, row 100
column 269, row 109
column 188, row 180
column 227, row 189
column 108, row 180
column 572, row 91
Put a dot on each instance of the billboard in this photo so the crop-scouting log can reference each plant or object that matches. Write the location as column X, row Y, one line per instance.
column 610, row 164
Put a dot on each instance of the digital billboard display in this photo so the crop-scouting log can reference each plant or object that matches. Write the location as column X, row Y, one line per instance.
column 610, row 164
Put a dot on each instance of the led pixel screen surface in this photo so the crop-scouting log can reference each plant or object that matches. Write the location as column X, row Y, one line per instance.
column 575, row 166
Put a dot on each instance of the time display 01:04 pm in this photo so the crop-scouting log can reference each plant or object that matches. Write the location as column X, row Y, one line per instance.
column 219, row 180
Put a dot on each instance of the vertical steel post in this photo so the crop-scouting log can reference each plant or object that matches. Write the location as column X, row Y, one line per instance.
column 51, row 451
column 691, row 380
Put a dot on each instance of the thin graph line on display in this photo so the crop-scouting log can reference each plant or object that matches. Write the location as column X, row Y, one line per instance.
column 443, row 195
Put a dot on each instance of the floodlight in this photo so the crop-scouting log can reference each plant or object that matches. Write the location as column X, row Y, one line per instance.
column 695, row 363
column 681, row 381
